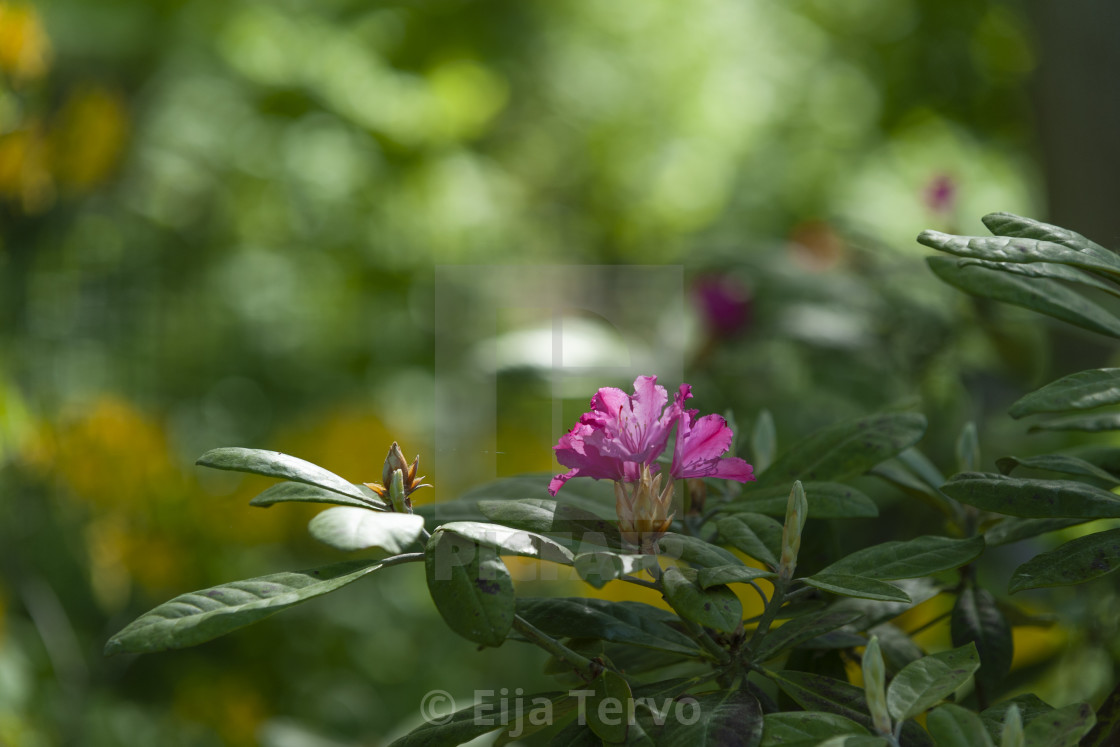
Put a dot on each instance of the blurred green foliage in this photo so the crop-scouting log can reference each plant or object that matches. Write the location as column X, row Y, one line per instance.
column 218, row 226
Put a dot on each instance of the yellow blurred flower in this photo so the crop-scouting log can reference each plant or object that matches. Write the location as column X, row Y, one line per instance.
column 25, row 51
column 88, row 138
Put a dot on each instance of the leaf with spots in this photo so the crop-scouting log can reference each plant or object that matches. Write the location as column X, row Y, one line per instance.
column 1032, row 499
column 471, row 587
column 930, row 679
column 197, row 617
column 727, row 719
column 1075, row 562
column 716, row 607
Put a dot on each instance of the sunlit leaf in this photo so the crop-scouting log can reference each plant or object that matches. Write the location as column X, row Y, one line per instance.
column 1077, row 561
column 347, row 528
column 1009, row 224
column 513, row 541
column 300, row 492
column 471, row 588
column 275, row 464
column 1017, row 249
column 598, row 568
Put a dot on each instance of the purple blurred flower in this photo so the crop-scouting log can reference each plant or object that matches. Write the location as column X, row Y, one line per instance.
column 941, row 194
column 725, row 303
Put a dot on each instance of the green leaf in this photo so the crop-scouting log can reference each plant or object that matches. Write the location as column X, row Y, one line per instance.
column 893, row 472
column 730, row 574
column 857, row 586
column 512, row 541
column 828, row 500
column 1063, row 463
column 1046, row 270
column 953, row 726
column 549, row 517
column 844, row 450
column 348, row 528
column 1083, row 390
column 815, row 692
column 695, row 551
column 1041, row 499
column 929, row 680
column 875, row 612
column 1021, row 250
column 1036, row 294
column 275, row 464
column 852, row 740
column 197, row 617
column 1107, row 730
column 599, row 568
column 1009, row 224
column 1062, row 727
column 1077, row 561
column 727, row 719
column 486, row 715
column 717, row 607
column 758, row 536
column 633, row 623
column 1087, row 423
column 800, row 630
column 299, row 492
column 976, row 618
column 607, row 709
column 471, row 588
column 968, row 448
column 914, row 558
column 764, row 441
column 1012, row 529
column 805, row 727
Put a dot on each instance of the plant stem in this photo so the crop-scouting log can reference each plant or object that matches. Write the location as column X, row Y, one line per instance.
column 583, row 666
column 408, row 557
column 699, row 635
column 769, row 613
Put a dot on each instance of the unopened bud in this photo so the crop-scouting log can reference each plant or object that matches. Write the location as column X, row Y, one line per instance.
column 399, row 499
column 643, row 510
column 875, row 687
column 797, row 509
column 394, row 460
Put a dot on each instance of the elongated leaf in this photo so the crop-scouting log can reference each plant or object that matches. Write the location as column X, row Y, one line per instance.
column 1083, row 390
column 633, row 623
column 815, row 692
column 805, row 727
column 968, row 448
column 1063, row 463
column 1018, row 250
column 726, row 719
column 471, row 588
column 716, row 607
column 607, row 707
column 197, row 617
column 300, row 492
column 929, row 680
column 875, row 612
column 976, row 618
column 1039, row 499
column 1014, row 529
column 550, row 517
column 275, row 464
column 1075, row 562
column 764, row 441
column 801, row 630
column 1029, row 706
column 1062, row 727
column 598, row 568
column 827, row 500
column 757, row 535
column 857, row 586
column 1009, row 224
column 902, row 478
column 953, row 726
column 1047, row 270
column 695, row 551
column 348, row 528
column 844, row 450
column 1036, row 294
column 512, row 541
column 730, row 574
column 1087, row 423
column 914, row 558
column 487, row 714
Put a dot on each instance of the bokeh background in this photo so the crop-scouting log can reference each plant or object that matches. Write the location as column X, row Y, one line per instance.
column 220, row 222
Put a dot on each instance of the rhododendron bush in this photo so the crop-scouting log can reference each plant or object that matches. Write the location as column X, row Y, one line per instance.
column 753, row 641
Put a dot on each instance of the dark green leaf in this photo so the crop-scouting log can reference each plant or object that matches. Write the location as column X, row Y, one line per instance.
column 930, row 679
column 1075, row 562
column 1030, row 707
column 512, row 541
column 717, row 607
column 902, row 478
column 953, row 726
column 1009, row 224
column 622, row 622
column 914, row 558
column 876, row 612
column 197, row 617
column 844, row 450
column 968, row 449
column 897, row 647
column 1021, row 250
column 857, row 586
column 599, row 568
column 1037, row 294
column 805, row 728
column 299, row 492
column 471, row 588
column 730, row 574
column 1083, row 390
column 607, row 709
column 486, row 715
column 275, row 464
column 1106, row 733
column 1012, row 529
column 800, row 630
column 1042, row 499
column 815, row 692
column 758, row 536
column 695, row 551
column 549, row 517
column 1047, row 270
column 827, row 500
column 1062, row 727
column 976, row 618
column 1087, row 423
column 349, row 528
column 1063, row 463
column 726, row 719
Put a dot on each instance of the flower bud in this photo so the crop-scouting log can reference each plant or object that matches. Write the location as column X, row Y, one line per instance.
column 643, row 510
column 797, row 509
column 875, row 687
column 394, row 468
column 394, row 460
